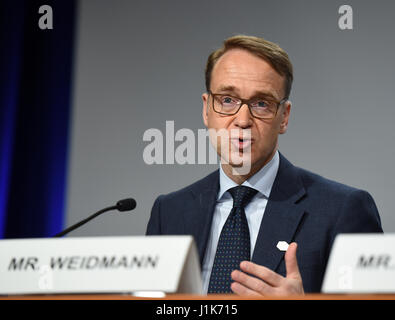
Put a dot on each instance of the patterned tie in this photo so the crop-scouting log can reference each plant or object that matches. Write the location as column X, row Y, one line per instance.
column 234, row 242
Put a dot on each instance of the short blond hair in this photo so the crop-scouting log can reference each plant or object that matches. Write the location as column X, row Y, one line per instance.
column 269, row 51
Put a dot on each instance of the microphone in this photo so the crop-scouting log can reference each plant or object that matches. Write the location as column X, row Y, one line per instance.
column 122, row 205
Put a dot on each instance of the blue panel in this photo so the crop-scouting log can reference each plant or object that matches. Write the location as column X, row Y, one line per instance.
column 35, row 108
column 11, row 37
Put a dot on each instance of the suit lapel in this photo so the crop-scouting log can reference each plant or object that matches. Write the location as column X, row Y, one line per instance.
column 198, row 220
column 281, row 219
column 282, row 216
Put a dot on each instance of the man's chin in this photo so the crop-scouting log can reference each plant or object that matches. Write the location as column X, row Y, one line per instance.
column 241, row 165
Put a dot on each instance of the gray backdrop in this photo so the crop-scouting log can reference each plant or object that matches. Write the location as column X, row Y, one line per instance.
column 140, row 63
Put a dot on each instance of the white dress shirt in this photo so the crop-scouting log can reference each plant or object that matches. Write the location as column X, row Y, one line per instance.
column 262, row 181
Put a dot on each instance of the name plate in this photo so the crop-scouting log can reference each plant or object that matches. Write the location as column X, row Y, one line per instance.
column 361, row 263
column 100, row 265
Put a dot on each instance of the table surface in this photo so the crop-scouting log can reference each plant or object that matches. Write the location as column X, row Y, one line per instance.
column 201, row 297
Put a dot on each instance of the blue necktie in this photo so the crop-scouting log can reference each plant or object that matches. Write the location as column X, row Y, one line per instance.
column 234, row 242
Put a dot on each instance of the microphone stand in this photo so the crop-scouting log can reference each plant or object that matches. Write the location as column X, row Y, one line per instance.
column 75, row 226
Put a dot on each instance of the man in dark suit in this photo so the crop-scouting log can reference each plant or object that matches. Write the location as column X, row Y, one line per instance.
column 268, row 229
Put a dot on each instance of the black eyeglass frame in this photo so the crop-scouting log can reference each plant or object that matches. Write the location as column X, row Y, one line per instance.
column 247, row 102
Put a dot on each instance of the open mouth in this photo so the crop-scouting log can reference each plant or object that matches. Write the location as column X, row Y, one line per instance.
column 241, row 143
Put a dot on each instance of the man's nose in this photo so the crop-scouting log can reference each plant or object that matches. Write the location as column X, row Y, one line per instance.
column 243, row 118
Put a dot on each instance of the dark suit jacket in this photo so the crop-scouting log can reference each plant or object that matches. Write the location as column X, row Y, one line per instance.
column 302, row 207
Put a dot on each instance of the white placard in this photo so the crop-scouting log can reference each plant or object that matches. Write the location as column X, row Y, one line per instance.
column 99, row 265
column 361, row 263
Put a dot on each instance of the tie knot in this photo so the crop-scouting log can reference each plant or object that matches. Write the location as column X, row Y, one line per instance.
column 242, row 195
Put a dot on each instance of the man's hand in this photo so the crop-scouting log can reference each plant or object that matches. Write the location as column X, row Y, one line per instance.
column 266, row 281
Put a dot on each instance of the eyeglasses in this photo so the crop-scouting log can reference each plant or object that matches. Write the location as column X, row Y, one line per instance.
column 262, row 108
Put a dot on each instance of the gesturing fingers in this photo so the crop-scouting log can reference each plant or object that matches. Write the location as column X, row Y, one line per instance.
column 247, row 285
column 242, row 290
column 255, row 280
column 291, row 263
column 294, row 279
column 270, row 277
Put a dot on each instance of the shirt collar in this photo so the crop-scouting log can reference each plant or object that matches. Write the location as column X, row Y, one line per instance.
column 262, row 180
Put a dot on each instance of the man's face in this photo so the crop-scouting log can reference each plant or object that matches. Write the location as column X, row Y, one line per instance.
column 244, row 75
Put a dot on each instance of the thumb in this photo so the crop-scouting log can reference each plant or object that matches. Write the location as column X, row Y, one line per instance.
column 291, row 263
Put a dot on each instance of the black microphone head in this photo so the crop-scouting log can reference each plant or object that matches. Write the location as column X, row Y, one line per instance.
column 126, row 204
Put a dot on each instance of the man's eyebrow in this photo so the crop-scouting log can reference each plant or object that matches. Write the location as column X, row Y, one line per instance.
column 257, row 94
column 227, row 89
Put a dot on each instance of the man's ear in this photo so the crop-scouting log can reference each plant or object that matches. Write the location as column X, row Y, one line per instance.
column 205, row 108
column 286, row 110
